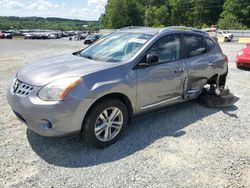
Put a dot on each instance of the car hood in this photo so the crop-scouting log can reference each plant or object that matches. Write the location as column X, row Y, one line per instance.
column 48, row 70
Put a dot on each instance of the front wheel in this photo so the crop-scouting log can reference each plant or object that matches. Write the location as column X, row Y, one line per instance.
column 105, row 123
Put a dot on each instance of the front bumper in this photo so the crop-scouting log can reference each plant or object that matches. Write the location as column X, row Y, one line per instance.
column 243, row 61
column 49, row 118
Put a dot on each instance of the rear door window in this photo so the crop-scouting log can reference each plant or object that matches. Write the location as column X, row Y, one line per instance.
column 194, row 45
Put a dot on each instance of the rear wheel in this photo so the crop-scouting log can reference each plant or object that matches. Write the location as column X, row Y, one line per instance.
column 105, row 123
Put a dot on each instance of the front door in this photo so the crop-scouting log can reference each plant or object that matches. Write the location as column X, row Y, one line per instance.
column 162, row 82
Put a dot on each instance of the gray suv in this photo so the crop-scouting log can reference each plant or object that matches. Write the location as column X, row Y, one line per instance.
column 97, row 91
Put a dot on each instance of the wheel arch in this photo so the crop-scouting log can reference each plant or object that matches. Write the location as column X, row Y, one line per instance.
column 213, row 79
column 119, row 96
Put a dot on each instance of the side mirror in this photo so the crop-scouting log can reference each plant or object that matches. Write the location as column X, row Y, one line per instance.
column 152, row 59
column 147, row 60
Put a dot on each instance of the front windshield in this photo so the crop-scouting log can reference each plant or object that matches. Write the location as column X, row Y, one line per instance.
column 116, row 47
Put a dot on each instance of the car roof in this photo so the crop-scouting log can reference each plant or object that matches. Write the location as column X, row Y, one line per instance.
column 142, row 30
column 155, row 31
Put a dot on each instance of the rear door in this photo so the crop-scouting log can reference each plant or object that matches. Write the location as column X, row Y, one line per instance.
column 198, row 62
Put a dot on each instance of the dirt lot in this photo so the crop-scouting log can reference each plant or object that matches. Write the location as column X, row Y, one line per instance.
column 185, row 145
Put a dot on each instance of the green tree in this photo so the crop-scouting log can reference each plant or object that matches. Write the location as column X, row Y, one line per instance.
column 230, row 21
column 194, row 13
column 206, row 12
column 156, row 13
column 235, row 15
column 212, row 11
column 45, row 23
column 181, row 12
column 121, row 13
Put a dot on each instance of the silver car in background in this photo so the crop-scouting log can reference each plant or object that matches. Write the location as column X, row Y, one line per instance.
column 97, row 91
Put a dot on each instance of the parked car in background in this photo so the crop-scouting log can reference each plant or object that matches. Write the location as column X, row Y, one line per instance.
column 227, row 36
column 7, row 35
column 96, row 91
column 211, row 31
column 40, row 34
column 243, row 57
column 91, row 38
column 1, row 35
column 80, row 36
column 53, row 36
column 10, row 34
column 27, row 35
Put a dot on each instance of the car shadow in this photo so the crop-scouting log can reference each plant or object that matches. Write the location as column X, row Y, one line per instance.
column 244, row 68
column 145, row 130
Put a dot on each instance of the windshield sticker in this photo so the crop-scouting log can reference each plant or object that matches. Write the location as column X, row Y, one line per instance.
column 141, row 41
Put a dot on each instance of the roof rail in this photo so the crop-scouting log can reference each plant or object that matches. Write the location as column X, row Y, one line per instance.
column 183, row 28
column 132, row 27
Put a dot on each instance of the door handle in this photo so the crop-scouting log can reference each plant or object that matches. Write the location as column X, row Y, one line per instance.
column 180, row 70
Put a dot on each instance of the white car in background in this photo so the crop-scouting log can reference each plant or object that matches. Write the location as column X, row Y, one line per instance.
column 227, row 36
column 212, row 32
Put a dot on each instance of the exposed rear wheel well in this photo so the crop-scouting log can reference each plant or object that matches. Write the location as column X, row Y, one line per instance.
column 123, row 98
column 213, row 80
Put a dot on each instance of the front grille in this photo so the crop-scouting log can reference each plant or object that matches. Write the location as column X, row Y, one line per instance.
column 246, row 65
column 21, row 89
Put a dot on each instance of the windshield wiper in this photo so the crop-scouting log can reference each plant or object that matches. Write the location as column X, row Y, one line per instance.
column 77, row 53
column 89, row 57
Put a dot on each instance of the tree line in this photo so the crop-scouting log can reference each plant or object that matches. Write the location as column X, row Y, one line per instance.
column 46, row 23
column 226, row 14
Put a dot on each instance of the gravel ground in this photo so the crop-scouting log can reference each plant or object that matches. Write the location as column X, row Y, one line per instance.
column 185, row 145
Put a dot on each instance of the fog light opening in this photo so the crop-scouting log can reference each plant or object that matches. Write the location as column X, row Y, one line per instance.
column 45, row 124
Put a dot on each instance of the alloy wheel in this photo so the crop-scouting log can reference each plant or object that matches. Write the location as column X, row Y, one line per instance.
column 108, row 124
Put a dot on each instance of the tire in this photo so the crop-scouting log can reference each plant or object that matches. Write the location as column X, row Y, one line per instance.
column 98, row 129
column 216, row 101
column 222, row 81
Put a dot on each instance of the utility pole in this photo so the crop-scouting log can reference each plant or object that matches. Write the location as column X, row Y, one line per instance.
column 202, row 10
column 146, row 17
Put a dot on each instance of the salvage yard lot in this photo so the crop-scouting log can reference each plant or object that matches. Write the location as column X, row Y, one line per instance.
column 184, row 145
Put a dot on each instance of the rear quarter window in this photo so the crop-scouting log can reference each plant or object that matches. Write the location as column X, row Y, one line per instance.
column 194, row 45
column 211, row 45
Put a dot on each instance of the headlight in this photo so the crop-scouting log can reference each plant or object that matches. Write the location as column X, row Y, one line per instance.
column 240, row 53
column 57, row 90
column 12, row 85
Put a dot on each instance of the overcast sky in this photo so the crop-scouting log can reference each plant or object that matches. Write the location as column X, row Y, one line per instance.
column 76, row 9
